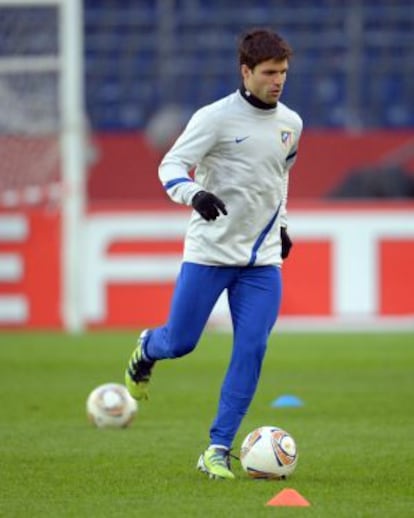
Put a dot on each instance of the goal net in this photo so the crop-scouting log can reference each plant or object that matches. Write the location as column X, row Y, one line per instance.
column 42, row 123
column 30, row 115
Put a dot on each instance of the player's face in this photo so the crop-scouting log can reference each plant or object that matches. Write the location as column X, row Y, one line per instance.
column 266, row 80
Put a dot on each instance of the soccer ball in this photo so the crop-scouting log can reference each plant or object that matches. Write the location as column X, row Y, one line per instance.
column 111, row 406
column 269, row 452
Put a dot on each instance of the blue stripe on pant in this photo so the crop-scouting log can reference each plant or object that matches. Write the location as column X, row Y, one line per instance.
column 254, row 294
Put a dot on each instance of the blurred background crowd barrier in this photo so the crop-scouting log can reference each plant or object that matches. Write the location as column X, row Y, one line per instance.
column 139, row 69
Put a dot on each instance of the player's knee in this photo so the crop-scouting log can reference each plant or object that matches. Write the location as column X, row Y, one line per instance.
column 255, row 354
column 255, row 347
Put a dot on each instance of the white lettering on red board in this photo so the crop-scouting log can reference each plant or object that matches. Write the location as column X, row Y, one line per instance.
column 14, row 308
column 102, row 269
column 354, row 236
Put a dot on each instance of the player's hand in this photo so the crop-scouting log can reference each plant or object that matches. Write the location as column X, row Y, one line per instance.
column 286, row 242
column 208, row 205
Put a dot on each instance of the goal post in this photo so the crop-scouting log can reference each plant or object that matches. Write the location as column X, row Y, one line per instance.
column 73, row 142
column 42, row 131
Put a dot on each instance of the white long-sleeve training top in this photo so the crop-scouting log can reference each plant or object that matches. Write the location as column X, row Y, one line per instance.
column 243, row 155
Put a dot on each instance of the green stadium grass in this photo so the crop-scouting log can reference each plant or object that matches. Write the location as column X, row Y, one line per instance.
column 355, row 432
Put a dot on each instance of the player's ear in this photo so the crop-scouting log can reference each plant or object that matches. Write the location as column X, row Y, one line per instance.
column 245, row 71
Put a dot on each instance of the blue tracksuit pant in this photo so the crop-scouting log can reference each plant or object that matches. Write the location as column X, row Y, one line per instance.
column 254, row 295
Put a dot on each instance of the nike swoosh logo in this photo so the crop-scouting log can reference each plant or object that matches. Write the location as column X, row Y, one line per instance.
column 240, row 139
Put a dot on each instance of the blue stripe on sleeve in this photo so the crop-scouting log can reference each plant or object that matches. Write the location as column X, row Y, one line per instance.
column 175, row 181
column 261, row 238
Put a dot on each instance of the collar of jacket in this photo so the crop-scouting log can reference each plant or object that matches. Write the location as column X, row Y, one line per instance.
column 255, row 101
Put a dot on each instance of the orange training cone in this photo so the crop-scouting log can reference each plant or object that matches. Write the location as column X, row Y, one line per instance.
column 288, row 497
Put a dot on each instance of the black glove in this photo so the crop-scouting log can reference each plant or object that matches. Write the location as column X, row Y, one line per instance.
column 286, row 242
column 208, row 205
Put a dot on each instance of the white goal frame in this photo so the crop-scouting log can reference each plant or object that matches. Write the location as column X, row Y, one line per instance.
column 69, row 63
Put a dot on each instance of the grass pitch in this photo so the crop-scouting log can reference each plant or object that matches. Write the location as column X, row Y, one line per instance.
column 355, row 432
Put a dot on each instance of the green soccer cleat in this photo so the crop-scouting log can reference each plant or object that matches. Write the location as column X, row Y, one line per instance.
column 215, row 462
column 138, row 373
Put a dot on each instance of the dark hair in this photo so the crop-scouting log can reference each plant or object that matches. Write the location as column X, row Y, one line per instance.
column 258, row 45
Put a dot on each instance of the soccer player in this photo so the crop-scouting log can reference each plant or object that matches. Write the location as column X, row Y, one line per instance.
column 242, row 147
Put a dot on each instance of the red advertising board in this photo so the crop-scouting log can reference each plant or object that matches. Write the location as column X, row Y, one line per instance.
column 347, row 263
column 30, row 273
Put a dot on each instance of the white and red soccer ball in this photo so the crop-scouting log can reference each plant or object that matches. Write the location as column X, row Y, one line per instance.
column 269, row 452
column 111, row 406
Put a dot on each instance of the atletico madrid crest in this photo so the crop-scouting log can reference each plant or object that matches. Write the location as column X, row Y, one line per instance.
column 286, row 137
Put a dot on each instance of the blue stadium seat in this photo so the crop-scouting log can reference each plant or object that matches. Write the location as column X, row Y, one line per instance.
column 136, row 47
